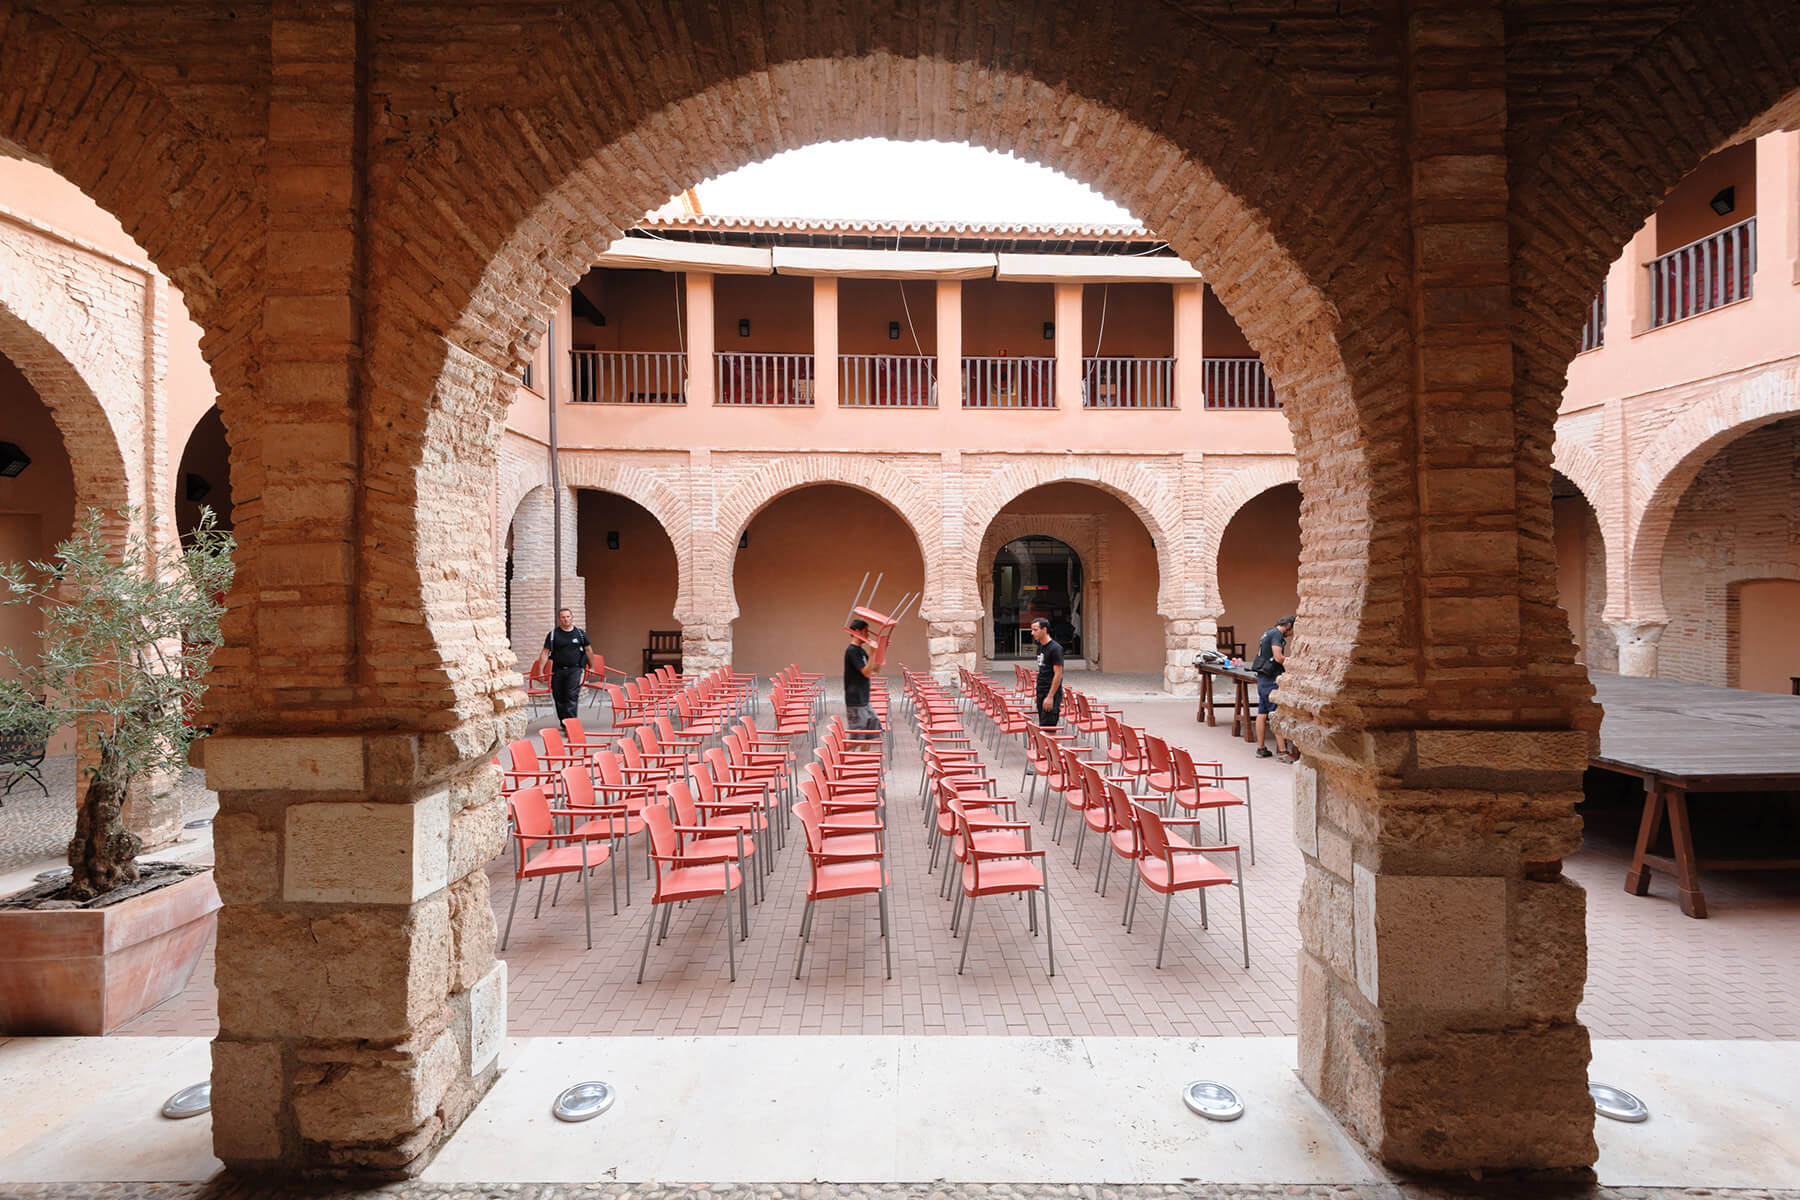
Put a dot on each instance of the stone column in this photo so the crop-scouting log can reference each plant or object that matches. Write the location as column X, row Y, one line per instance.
column 825, row 342
column 1443, row 953
column 1068, row 346
column 953, row 639
column 705, row 641
column 534, row 567
column 1185, row 634
column 1638, row 641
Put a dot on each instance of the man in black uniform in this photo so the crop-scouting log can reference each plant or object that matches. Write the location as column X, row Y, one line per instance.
column 859, row 714
column 1271, row 657
column 1050, row 673
column 566, row 647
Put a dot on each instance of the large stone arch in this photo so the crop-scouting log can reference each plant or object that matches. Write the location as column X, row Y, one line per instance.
column 1226, row 493
column 1080, row 532
column 1662, row 470
column 659, row 488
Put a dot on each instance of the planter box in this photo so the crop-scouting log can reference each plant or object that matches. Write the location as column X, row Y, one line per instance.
column 83, row 972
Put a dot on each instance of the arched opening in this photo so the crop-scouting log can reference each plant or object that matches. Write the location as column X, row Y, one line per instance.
column 1114, row 613
column 1733, row 523
column 1581, row 573
column 1259, row 564
column 1036, row 576
column 203, row 478
column 37, row 505
column 1763, row 636
column 798, row 564
column 628, row 563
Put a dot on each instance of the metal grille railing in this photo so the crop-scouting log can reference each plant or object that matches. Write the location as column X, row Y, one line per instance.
column 887, row 381
column 1237, row 383
column 1593, row 330
column 1128, row 383
column 627, row 377
column 1703, row 275
column 1008, row 382
column 780, row 380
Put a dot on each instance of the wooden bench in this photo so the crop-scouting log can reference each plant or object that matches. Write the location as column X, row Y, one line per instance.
column 21, row 758
column 664, row 650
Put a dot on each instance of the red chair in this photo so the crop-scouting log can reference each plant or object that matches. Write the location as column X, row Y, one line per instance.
column 851, row 841
column 580, row 741
column 1159, row 767
column 836, row 876
column 709, row 842
column 537, row 687
column 530, row 810
column 617, row 824
column 524, row 769
column 1201, row 786
column 1125, row 749
column 679, row 880
column 742, row 804
column 1171, row 864
column 1003, row 871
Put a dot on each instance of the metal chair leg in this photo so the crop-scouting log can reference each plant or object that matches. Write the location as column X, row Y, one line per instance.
column 730, row 941
column 801, row 957
column 1049, row 934
column 649, row 928
column 1168, row 900
column 510, row 910
column 887, row 943
column 968, row 936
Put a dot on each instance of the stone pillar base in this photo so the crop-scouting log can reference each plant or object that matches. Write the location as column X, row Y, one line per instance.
column 704, row 647
column 1185, row 636
column 954, row 645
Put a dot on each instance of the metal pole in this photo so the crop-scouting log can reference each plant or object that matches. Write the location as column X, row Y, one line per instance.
column 556, row 563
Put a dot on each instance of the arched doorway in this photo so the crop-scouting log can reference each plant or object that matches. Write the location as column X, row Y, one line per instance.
column 204, row 477
column 1036, row 576
column 1581, row 573
column 628, row 563
column 37, row 505
column 1259, row 563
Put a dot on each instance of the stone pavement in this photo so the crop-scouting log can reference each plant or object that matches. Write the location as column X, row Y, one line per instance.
column 1653, row 973
column 828, row 1191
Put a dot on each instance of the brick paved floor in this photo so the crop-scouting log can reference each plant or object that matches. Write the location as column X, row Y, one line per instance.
column 1652, row 971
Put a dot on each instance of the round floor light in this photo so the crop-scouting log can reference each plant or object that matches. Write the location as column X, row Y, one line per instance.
column 584, row 1101
column 55, row 873
column 1617, row 1103
column 1214, row 1101
column 189, row 1102
column 198, row 823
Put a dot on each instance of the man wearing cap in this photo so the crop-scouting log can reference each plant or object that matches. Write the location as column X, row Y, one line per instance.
column 1271, row 657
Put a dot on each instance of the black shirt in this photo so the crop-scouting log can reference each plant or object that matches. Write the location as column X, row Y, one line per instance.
column 568, row 648
column 1050, row 657
column 1265, row 652
column 856, row 684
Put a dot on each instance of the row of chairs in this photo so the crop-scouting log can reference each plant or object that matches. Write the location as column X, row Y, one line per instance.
column 1130, row 792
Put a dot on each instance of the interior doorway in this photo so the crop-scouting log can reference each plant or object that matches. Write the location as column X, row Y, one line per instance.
column 1035, row 577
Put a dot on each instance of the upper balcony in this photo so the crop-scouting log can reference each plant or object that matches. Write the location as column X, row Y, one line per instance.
column 997, row 351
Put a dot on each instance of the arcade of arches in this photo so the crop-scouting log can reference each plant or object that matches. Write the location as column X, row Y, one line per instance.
column 1407, row 207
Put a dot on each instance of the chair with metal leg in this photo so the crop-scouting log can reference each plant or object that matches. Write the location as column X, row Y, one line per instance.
column 577, row 854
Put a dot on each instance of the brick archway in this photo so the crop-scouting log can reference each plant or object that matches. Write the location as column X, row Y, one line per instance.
column 1083, row 533
column 1663, row 470
column 1225, row 497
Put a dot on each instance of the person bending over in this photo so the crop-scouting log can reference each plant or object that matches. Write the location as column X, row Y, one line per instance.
column 1271, row 657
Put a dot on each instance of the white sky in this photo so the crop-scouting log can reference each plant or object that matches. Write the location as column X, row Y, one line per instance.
column 876, row 179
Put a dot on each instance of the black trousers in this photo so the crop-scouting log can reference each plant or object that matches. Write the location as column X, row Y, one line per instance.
column 565, row 689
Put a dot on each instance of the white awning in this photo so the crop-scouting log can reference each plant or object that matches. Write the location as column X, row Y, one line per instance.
column 654, row 254
column 881, row 264
column 1093, row 268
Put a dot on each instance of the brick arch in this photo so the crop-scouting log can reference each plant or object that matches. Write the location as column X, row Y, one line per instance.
column 41, row 344
column 511, row 253
column 1583, row 468
column 1666, row 467
column 652, row 490
column 912, row 500
column 1223, row 503
column 1149, row 500
column 1083, row 534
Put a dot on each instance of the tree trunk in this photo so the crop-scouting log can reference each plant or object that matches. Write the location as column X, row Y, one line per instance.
column 103, row 852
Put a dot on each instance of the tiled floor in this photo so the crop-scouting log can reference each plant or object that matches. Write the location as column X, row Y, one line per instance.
column 1652, row 971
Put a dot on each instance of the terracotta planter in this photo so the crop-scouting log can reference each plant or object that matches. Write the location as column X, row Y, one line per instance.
column 82, row 972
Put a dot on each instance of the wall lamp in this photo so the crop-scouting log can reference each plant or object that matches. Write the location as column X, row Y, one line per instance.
column 893, row 331
column 12, row 460
column 1725, row 201
column 744, row 327
column 1049, row 331
column 744, row 541
column 612, row 539
column 196, row 488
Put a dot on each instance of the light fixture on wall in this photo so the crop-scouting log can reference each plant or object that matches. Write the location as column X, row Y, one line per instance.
column 195, row 488
column 744, row 541
column 1725, row 201
column 893, row 331
column 612, row 539
column 12, row 460
column 1049, row 331
column 743, row 326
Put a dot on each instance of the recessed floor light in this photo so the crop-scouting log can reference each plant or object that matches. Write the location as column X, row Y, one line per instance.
column 584, row 1101
column 55, row 873
column 200, row 823
column 189, row 1102
column 1214, row 1101
column 1617, row 1103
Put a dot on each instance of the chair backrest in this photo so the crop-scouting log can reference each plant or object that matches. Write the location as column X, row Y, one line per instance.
column 574, row 733
column 1186, row 780
column 1118, row 806
column 646, row 736
column 1156, row 753
column 522, row 756
column 553, row 742
column 1093, row 788
column 717, row 764
column 665, row 729
column 1133, row 753
column 530, row 810
column 578, row 786
column 664, row 641
column 606, row 766
column 662, row 831
column 682, row 801
column 1151, row 836
column 812, row 817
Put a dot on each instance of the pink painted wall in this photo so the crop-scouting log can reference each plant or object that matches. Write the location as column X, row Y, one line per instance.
column 1768, row 634
column 807, row 552
column 206, row 456
column 640, row 308
column 631, row 590
column 1139, row 320
column 37, row 508
column 1259, row 563
column 779, row 308
column 1007, row 318
column 865, row 306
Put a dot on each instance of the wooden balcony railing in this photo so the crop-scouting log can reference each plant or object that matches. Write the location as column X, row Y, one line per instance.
column 1237, row 383
column 1593, row 330
column 774, row 380
column 627, row 377
column 1703, row 275
column 1128, row 383
column 1008, row 382
column 887, row 381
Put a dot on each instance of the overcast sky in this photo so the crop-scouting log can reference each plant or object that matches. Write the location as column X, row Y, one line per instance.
column 875, row 179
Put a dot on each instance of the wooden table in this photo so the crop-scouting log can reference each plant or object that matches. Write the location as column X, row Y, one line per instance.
column 1681, row 738
column 1243, row 716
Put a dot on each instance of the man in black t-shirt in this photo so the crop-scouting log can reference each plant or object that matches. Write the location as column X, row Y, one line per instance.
column 566, row 648
column 1050, row 674
column 859, row 714
column 1271, row 655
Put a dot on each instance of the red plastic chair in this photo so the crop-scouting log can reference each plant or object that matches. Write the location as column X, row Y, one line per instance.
column 524, row 769
column 1171, row 864
column 851, row 841
column 709, row 842
column 836, row 876
column 679, row 880
column 530, row 810
column 616, row 823
column 1003, row 871
column 742, row 804
column 537, row 687
column 1201, row 786
column 579, row 740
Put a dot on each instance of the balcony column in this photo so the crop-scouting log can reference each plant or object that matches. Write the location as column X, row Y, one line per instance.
column 825, row 342
column 1190, row 354
column 1777, row 210
column 534, row 571
column 1068, row 345
column 949, row 343
column 700, row 342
